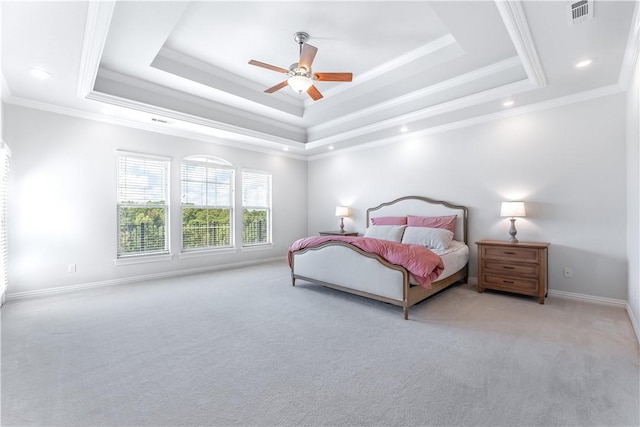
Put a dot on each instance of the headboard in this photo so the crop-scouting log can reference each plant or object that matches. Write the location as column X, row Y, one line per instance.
column 423, row 206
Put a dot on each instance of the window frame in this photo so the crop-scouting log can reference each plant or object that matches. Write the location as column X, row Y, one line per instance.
column 211, row 162
column 150, row 256
column 268, row 208
column 5, row 158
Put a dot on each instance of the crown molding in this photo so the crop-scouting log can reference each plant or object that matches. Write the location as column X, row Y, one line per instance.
column 438, row 87
column 539, row 106
column 427, row 49
column 224, row 82
column 250, row 144
column 239, row 132
column 445, row 107
column 515, row 22
column 277, row 149
column 99, row 15
column 632, row 50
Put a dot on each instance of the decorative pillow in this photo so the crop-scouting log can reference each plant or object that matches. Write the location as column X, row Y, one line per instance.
column 385, row 232
column 446, row 222
column 431, row 238
column 389, row 220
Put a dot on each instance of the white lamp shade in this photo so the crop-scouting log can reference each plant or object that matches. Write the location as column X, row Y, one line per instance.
column 512, row 209
column 300, row 84
column 342, row 211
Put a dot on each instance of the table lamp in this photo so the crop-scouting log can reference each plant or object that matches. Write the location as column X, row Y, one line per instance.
column 512, row 210
column 342, row 212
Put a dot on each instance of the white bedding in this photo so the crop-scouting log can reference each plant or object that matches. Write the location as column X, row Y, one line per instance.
column 454, row 258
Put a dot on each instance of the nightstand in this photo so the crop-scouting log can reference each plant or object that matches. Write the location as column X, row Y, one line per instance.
column 513, row 267
column 338, row 233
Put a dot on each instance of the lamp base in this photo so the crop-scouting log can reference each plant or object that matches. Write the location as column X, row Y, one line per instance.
column 513, row 231
column 342, row 225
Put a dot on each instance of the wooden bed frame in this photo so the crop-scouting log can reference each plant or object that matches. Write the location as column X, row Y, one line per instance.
column 341, row 266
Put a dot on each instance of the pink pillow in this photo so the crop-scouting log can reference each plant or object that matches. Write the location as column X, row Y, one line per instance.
column 446, row 222
column 389, row 220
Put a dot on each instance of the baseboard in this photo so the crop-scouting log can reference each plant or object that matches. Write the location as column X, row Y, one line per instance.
column 588, row 298
column 634, row 322
column 571, row 295
column 132, row 279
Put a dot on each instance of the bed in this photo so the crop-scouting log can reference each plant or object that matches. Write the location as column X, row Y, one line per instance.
column 338, row 264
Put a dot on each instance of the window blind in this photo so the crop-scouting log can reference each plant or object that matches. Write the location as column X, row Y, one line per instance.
column 206, row 185
column 256, row 189
column 142, row 204
column 207, row 203
column 142, row 180
column 256, row 208
column 5, row 155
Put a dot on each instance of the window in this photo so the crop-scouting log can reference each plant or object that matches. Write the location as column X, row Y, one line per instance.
column 5, row 154
column 142, row 204
column 256, row 208
column 207, row 203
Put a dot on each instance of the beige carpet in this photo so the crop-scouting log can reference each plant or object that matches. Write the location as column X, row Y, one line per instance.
column 243, row 347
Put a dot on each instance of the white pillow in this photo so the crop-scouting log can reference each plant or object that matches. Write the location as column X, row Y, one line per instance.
column 386, row 232
column 432, row 238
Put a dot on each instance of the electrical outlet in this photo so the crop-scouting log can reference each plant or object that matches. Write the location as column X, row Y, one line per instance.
column 568, row 272
column 71, row 268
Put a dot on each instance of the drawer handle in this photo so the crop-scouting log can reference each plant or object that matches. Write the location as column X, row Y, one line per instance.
column 508, row 267
column 507, row 281
column 509, row 253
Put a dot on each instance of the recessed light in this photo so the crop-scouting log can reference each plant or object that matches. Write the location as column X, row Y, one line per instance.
column 39, row 73
column 285, row 148
column 404, row 129
column 508, row 103
column 584, row 63
column 331, row 147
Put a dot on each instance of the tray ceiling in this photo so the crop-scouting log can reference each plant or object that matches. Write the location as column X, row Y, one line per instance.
column 418, row 66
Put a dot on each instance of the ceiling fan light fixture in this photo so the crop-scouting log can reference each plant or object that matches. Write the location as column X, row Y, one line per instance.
column 300, row 84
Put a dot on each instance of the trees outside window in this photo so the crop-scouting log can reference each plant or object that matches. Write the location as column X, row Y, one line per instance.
column 256, row 208
column 207, row 203
column 142, row 204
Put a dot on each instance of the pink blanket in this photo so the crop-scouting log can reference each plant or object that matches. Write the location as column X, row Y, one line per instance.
column 418, row 260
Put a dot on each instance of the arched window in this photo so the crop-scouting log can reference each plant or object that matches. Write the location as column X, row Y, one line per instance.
column 207, row 203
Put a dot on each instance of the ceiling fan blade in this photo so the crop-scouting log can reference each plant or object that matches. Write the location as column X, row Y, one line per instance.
column 268, row 66
column 314, row 93
column 277, row 87
column 334, row 77
column 307, row 55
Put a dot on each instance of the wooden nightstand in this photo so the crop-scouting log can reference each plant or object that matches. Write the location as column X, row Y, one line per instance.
column 338, row 233
column 513, row 267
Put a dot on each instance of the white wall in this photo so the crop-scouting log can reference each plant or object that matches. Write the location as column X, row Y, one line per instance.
column 62, row 206
column 633, row 194
column 567, row 163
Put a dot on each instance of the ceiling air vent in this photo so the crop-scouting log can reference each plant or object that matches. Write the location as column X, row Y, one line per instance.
column 580, row 11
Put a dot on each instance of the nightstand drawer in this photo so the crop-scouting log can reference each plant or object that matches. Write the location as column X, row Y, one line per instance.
column 517, row 284
column 513, row 254
column 506, row 269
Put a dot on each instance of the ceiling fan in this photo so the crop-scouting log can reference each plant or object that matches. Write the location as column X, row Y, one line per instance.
column 301, row 76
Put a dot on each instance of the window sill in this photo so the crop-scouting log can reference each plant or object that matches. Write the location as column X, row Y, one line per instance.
column 262, row 247
column 207, row 252
column 142, row 259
